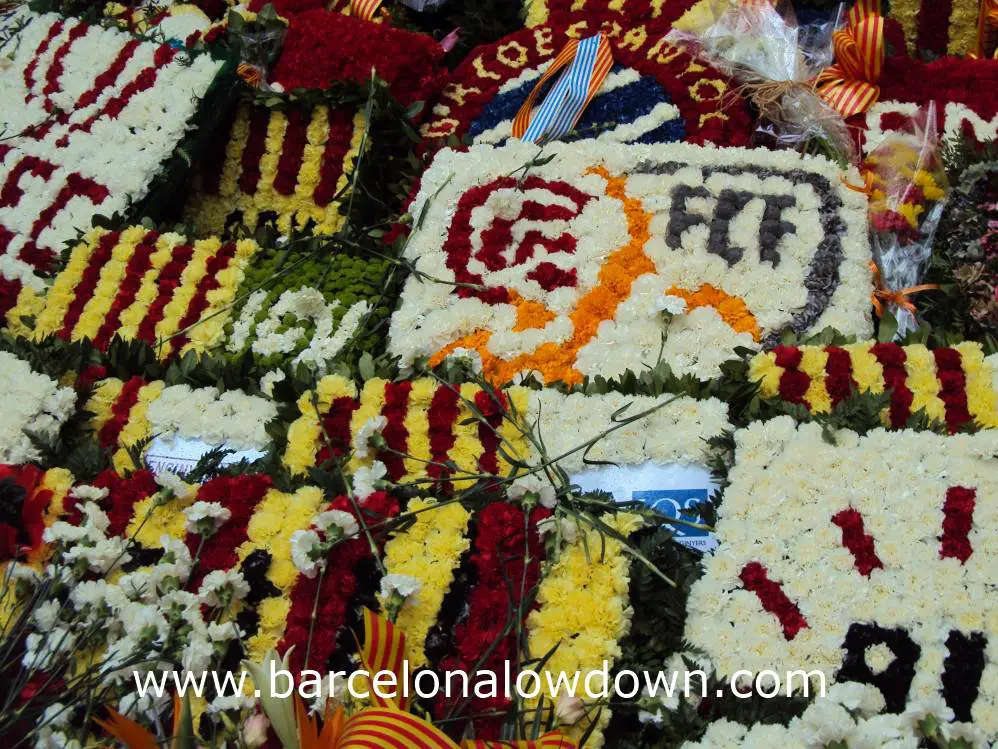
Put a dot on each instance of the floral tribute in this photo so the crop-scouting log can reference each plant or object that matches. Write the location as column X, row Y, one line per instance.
column 659, row 93
column 138, row 285
column 566, row 271
column 428, row 430
column 958, row 86
column 942, row 28
column 829, row 566
column 955, row 386
column 323, row 46
column 311, row 314
column 128, row 413
column 622, row 13
column 81, row 101
column 968, row 243
column 583, row 609
column 33, row 405
column 286, row 167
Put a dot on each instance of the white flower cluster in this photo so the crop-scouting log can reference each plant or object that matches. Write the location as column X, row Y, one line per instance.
column 676, row 432
column 752, row 225
column 232, row 418
column 309, row 548
column 141, row 619
column 787, row 485
column 120, row 153
column 30, row 403
column 849, row 715
column 275, row 335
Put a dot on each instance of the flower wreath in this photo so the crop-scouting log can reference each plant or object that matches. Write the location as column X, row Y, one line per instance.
column 488, row 87
column 838, row 554
column 567, row 271
column 138, row 284
column 92, row 114
column 128, row 413
column 287, row 166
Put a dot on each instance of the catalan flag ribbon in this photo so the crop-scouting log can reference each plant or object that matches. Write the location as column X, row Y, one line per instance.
column 364, row 9
column 586, row 64
column 850, row 85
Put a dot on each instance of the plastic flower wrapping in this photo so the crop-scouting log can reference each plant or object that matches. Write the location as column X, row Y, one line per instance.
column 464, row 374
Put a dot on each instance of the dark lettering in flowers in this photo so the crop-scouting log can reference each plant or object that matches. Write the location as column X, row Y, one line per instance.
column 895, row 680
column 962, row 671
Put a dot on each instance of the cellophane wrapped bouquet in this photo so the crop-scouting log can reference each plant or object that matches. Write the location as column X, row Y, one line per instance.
column 908, row 186
column 776, row 62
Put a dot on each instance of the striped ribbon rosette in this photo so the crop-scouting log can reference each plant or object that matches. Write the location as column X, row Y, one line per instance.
column 586, row 64
column 364, row 9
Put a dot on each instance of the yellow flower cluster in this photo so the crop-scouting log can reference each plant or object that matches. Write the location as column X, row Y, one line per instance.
column 305, row 436
column 136, row 428
column 305, row 433
column 429, row 550
column 584, row 611
column 210, row 211
column 49, row 311
column 270, row 527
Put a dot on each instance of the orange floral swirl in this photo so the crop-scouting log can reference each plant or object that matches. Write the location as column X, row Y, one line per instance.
column 557, row 361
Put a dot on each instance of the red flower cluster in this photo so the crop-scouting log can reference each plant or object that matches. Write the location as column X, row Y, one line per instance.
column 492, row 410
column 323, row 47
column 497, row 239
column 502, row 544
column 120, row 411
column 948, row 79
column 838, row 374
column 444, row 410
column 395, row 433
column 958, row 518
column 338, row 589
column 793, row 383
column 952, row 386
column 892, row 359
column 755, row 578
column 239, row 495
column 10, row 289
column 123, row 492
column 336, row 429
column 859, row 543
column 22, row 510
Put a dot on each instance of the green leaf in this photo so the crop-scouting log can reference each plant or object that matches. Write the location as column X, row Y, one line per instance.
column 366, row 366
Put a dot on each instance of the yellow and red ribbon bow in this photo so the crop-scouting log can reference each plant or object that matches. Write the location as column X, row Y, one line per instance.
column 387, row 724
column 987, row 30
column 364, row 9
column 850, row 85
column 898, row 297
column 588, row 62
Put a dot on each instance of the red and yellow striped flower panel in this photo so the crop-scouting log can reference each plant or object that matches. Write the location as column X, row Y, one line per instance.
column 431, row 429
column 955, row 386
column 290, row 163
column 137, row 284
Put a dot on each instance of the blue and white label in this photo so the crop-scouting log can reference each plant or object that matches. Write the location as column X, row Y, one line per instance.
column 681, row 505
column 181, row 455
column 674, row 490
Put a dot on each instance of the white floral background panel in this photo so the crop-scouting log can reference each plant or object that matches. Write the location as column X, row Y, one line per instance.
column 675, row 431
column 563, row 267
column 871, row 560
column 89, row 116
